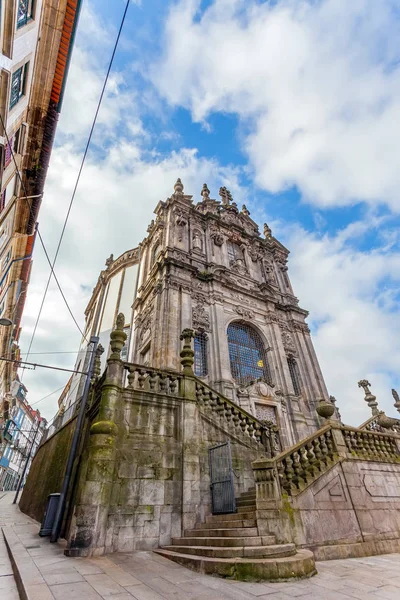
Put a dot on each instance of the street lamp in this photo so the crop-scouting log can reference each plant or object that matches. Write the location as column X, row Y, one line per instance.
column 6, row 322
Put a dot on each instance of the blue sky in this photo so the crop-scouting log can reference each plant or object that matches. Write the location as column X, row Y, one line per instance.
column 295, row 106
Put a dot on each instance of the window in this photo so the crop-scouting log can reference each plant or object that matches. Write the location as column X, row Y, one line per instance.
column 155, row 253
column 18, row 84
column 25, row 12
column 200, row 355
column 247, row 354
column 294, row 374
column 234, row 252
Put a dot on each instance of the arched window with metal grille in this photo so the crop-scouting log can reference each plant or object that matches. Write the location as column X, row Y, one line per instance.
column 200, row 354
column 294, row 374
column 247, row 354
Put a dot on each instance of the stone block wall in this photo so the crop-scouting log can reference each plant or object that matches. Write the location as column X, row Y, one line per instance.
column 47, row 471
column 350, row 510
column 161, row 482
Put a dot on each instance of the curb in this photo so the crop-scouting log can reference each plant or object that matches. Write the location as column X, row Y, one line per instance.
column 28, row 579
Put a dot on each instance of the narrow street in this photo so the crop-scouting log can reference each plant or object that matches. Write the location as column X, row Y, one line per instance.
column 47, row 574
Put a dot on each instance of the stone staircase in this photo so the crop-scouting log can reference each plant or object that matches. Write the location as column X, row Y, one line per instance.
column 230, row 546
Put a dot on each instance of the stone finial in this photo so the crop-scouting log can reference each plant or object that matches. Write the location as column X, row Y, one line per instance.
column 178, row 187
column 396, row 400
column 369, row 398
column 110, row 260
column 118, row 338
column 245, row 211
column 187, row 354
column 267, row 231
column 205, row 192
column 150, row 227
column 324, row 408
column 226, row 196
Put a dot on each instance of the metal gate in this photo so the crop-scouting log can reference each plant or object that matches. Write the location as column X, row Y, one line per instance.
column 221, row 479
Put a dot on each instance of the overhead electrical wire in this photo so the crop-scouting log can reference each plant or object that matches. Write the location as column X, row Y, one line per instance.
column 26, row 198
column 80, row 172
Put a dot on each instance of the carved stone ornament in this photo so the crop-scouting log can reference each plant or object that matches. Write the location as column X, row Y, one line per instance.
column 288, row 342
column 180, row 219
column 239, row 266
column 272, row 317
column 325, row 409
column 245, row 211
column 226, row 196
column 200, row 318
column 110, row 260
column 254, row 253
column 218, row 238
column 244, row 312
column 267, row 231
column 269, row 272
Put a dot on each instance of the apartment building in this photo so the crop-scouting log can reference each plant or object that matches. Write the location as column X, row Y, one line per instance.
column 36, row 39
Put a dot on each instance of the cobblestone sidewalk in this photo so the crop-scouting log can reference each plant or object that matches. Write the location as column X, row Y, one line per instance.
column 147, row 576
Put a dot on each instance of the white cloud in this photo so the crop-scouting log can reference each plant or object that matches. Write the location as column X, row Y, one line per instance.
column 355, row 329
column 317, row 84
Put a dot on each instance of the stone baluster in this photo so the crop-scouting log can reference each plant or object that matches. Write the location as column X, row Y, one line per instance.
column 163, row 383
column 131, row 377
column 311, row 459
column 142, row 378
column 173, row 384
column 152, row 380
column 304, row 463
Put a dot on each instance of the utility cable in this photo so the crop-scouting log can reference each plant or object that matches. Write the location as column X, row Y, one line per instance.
column 37, row 228
column 80, row 171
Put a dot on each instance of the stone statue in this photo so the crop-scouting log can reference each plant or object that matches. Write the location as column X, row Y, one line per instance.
column 397, row 400
column 197, row 242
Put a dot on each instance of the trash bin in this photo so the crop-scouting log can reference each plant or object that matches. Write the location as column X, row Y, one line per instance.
column 49, row 515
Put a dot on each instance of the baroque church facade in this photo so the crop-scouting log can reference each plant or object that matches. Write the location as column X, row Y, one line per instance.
column 205, row 266
column 206, row 400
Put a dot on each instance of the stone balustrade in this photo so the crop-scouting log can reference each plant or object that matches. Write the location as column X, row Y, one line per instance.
column 148, row 379
column 371, row 445
column 296, row 468
column 230, row 415
column 302, row 464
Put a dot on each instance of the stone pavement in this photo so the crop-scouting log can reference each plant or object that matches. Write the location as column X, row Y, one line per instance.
column 47, row 574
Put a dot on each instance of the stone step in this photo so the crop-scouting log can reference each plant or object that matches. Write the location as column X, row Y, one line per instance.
column 299, row 565
column 232, row 523
column 235, row 532
column 236, row 551
column 227, row 542
column 249, row 502
column 247, row 508
column 246, row 495
column 242, row 516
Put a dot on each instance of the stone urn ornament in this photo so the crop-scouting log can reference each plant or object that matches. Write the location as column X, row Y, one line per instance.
column 325, row 409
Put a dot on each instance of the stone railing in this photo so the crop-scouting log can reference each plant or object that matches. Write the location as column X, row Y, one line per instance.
column 382, row 424
column 371, row 445
column 295, row 469
column 302, row 464
column 231, row 417
column 148, row 379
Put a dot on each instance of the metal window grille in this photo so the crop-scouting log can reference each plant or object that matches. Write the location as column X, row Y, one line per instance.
column 294, row 374
column 25, row 12
column 247, row 354
column 18, row 85
column 200, row 355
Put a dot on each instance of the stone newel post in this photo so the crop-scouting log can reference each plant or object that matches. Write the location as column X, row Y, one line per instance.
column 89, row 524
column 187, row 354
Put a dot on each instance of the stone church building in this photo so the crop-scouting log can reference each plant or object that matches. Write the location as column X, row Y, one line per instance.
column 210, row 436
column 205, row 266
